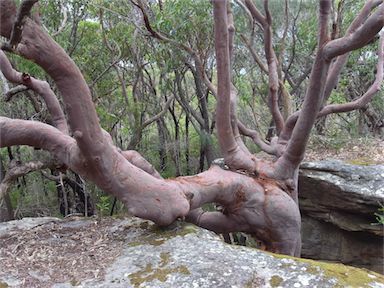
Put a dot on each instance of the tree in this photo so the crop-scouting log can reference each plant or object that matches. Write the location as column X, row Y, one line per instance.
column 259, row 197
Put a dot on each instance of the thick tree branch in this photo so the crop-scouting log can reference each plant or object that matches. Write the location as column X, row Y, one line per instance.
column 357, row 39
column 367, row 97
column 38, row 46
column 338, row 64
column 36, row 134
column 139, row 161
column 235, row 156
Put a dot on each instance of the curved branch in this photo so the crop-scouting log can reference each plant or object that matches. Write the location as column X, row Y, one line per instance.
column 256, row 138
column 40, row 87
column 13, row 91
column 357, row 39
column 338, row 64
column 139, row 161
column 36, row 134
column 255, row 12
column 367, row 97
column 38, row 46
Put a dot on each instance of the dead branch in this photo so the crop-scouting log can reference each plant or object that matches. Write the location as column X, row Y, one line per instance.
column 13, row 91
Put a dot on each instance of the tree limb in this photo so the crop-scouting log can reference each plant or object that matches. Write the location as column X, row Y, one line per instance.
column 273, row 78
column 139, row 161
column 254, row 135
column 40, row 87
column 357, row 39
column 338, row 64
column 235, row 156
column 367, row 97
column 36, row 134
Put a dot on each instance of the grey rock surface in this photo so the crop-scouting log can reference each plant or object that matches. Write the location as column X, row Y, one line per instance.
column 338, row 202
column 186, row 256
column 12, row 227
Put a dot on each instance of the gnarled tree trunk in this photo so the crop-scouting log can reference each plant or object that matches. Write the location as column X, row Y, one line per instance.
column 258, row 197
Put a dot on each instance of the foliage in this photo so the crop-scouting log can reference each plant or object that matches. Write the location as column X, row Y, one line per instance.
column 104, row 205
column 380, row 215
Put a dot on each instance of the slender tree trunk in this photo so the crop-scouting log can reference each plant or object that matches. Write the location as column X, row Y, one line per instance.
column 176, row 146
column 202, row 155
column 162, row 144
column 6, row 210
column 321, row 125
column 187, row 162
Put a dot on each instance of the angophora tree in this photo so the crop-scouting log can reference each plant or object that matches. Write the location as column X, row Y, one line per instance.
column 259, row 197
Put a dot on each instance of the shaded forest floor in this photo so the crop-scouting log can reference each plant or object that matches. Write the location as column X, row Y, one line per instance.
column 361, row 151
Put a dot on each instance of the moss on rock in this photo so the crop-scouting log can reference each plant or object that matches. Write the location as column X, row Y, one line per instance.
column 275, row 280
column 157, row 236
column 149, row 273
column 346, row 276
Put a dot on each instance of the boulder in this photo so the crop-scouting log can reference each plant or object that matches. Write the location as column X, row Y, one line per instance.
column 131, row 252
column 338, row 202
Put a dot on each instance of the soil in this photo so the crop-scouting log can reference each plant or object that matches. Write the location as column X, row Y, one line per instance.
column 56, row 249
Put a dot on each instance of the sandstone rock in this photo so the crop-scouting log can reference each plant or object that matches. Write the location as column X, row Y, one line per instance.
column 338, row 202
column 179, row 256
